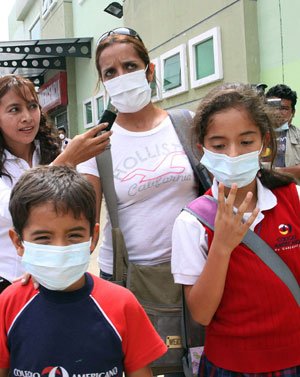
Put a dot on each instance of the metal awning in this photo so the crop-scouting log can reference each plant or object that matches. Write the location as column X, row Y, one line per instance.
column 33, row 58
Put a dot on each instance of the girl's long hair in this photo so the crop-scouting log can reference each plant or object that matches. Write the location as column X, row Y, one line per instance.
column 46, row 134
column 240, row 96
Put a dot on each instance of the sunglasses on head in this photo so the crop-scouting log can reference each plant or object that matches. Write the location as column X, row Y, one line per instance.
column 120, row 31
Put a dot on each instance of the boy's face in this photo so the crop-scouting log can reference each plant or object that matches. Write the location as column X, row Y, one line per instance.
column 45, row 226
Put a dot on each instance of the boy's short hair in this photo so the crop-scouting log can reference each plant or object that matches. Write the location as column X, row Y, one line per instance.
column 67, row 189
column 62, row 128
column 284, row 92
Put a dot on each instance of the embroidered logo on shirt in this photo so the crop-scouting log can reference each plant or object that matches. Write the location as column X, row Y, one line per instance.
column 53, row 371
column 287, row 239
column 285, row 229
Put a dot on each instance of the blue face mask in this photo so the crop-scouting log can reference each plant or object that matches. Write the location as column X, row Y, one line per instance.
column 283, row 127
column 240, row 170
column 56, row 267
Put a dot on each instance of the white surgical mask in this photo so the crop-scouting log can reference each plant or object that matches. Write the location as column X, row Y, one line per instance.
column 228, row 170
column 129, row 93
column 283, row 127
column 61, row 136
column 56, row 267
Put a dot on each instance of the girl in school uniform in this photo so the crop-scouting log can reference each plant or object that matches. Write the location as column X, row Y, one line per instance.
column 252, row 319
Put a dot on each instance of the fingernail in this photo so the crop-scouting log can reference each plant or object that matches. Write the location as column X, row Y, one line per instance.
column 23, row 280
column 35, row 285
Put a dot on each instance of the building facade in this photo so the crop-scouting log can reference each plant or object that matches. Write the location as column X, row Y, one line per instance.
column 195, row 45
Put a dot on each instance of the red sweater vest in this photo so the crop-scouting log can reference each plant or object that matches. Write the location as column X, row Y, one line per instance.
column 256, row 327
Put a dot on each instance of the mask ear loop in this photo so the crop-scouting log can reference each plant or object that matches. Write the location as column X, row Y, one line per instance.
column 290, row 118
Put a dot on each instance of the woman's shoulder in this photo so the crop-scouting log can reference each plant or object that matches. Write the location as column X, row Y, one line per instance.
column 88, row 167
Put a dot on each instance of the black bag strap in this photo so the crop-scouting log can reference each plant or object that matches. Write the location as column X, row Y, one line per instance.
column 182, row 121
column 192, row 335
column 263, row 251
column 105, row 168
column 120, row 257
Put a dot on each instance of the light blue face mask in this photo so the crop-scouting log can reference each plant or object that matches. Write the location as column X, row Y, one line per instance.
column 240, row 170
column 56, row 267
column 283, row 127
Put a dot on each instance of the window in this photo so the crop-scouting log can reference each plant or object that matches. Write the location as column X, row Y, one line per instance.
column 35, row 29
column 93, row 109
column 156, row 82
column 174, row 72
column 206, row 58
column 88, row 114
column 61, row 120
column 99, row 105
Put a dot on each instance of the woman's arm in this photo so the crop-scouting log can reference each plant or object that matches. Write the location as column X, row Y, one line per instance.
column 3, row 372
column 203, row 298
column 84, row 146
column 142, row 372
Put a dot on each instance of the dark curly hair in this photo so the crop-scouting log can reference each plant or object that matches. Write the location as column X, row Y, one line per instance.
column 46, row 133
column 283, row 91
column 236, row 95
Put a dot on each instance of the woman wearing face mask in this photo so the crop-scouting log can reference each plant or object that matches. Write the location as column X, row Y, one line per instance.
column 152, row 175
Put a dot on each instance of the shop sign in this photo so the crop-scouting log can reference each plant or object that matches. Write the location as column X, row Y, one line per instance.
column 54, row 92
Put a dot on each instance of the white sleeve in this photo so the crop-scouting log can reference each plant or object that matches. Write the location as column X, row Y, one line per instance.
column 298, row 190
column 4, row 200
column 88, row 167
column 189, row 249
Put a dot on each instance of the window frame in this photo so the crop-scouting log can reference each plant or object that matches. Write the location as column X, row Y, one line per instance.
column 47, row 6
column 158, row 96
column 181, row 49
column 215, row 34
column 105, row 101
column 85, row 124
column 36, row 20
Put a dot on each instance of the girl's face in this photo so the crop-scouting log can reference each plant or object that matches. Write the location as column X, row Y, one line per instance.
column 19, row 119
column 233, row 133
column 119, row 59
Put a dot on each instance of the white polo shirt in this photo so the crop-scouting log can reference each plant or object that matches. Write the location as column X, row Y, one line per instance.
column 10, row 262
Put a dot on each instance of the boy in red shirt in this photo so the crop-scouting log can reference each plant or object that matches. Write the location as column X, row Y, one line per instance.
column 75, row 323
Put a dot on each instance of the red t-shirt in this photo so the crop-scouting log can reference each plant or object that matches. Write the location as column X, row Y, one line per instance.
column 98, row 329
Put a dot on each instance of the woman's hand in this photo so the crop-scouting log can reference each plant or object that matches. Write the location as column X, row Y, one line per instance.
column 24, row 279
column 229, row 228
column 84, row 146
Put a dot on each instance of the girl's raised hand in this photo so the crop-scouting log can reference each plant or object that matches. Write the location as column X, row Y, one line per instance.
column 229, row 228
